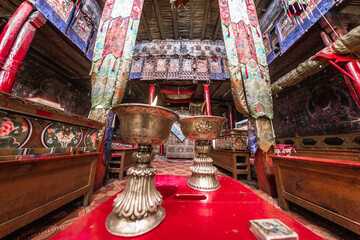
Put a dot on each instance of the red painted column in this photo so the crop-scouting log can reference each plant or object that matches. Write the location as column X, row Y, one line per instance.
column 354, row 69
column 207, row 99
column 19, row 49
column 151, row 93
column 12, row 28
column 264, row 172
column 231, row 120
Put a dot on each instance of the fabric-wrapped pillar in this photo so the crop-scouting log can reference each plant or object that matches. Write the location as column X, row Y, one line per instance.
column 207, row 99
column 249, row 76
column 231, row 120
column 19, row 49
column 151, row 93
column 12, row 28
column 113, row 51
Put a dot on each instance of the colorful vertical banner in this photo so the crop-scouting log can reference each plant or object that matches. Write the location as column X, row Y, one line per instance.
column 249, row 75
column 113, row 52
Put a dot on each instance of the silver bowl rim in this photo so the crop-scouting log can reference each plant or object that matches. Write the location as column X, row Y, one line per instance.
column 147, row 105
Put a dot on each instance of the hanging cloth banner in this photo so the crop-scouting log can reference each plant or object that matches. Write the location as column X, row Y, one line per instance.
column 215, row 68
column 202, row 70
column 136, row 68
column 249, row 75
column 174, row 68
column 148, row 69
column 225, row 68
column 187, row 70
column 161, row 66
column 113, row 51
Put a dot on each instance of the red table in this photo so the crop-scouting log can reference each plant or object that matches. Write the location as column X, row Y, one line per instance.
column 224, row 214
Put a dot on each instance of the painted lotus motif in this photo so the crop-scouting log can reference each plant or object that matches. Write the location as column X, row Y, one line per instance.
column 91, row 138
column 61, row 135
column 14, row 131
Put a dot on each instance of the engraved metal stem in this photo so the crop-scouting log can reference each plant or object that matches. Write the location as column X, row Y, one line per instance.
column 203, row 172
column 137, row 209
column 202, row 129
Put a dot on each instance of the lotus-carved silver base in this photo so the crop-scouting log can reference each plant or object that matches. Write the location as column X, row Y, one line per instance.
column 202, row 129
column 137, row 210
column 130, row 228
column 203, row 171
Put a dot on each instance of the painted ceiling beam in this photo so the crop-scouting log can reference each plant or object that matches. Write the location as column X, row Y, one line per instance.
column 174, row 17
column 146, row 26
column 191, row 30
column 206, row 14
column 159, row 19
column 217, row 28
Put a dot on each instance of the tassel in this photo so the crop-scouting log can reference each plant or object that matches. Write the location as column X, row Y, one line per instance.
column 102, row 25
column 113, row 68
column 101, row 63
column 257, row 31
column 132, row 24
column 228, row 31
column 262, row 75
column 247, row 75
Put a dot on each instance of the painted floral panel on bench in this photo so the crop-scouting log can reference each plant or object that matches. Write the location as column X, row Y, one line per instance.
column 61, row 135
column 14, row 131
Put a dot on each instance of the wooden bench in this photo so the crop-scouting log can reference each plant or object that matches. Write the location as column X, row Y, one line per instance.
column 123, row 159
column 32, row 188
column 236, row 162
column 349, row 155
column 327, row 187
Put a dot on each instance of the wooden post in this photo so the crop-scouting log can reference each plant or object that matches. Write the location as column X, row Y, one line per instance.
column 151, row 93
column 12, row 28
column 264, row 171
column 231, row 120
column 207, row 99
column 18, row 51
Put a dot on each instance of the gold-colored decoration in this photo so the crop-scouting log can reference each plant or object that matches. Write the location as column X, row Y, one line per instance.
column 202, row 129
column 138, row 209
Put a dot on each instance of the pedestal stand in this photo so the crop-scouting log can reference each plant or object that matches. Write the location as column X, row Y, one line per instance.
column 203, row 172
column 137, row 209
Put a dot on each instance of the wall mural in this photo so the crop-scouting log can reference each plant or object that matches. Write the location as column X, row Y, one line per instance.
column 33, row 80
column 327, row 109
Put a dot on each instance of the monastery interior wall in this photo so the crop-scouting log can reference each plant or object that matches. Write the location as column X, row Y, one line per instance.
column 319, row 105
column 36, row 80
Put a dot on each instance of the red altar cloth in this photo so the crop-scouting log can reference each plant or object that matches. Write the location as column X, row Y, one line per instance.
column 224, row 214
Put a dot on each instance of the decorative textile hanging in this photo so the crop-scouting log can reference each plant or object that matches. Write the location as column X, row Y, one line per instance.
column 161, row 67
column 252, row 144
column 113, row 51
column 215, row 68
column 148, row 69
column 264, row 133
column 249, row 75
column 187, row 70
column 109, row 132
column 295, row 7
column 202, row 70
column 174, row 68
column 136, row 68
column 225, row 68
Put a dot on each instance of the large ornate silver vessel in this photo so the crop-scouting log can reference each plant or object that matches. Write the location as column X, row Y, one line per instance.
column 202, row 129
column 138, row 209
